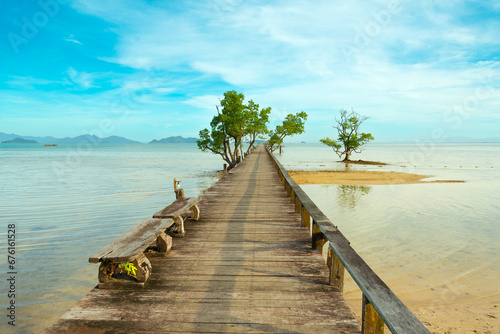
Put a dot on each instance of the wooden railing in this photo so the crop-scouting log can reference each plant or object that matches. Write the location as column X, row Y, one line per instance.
column 380, row 305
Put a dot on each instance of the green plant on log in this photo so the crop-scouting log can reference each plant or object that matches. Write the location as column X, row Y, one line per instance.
column 292, row 125
column 350, row 139
column 234, row 122
column 128, row 267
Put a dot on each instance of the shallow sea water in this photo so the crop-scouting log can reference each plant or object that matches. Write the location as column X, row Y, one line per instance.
column 433, row 244
column 436, row 245
column 69, row 201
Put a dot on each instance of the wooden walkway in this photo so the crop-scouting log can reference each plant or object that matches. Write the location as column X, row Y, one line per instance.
column 245, row 267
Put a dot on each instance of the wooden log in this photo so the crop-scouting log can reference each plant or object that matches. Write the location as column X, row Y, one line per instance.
column 372, row 323
column 179, row 193
column 164, row 243
column 113, row 275
column 195, row 212
column 133, row 243
column 177, row 208
column 177, row 230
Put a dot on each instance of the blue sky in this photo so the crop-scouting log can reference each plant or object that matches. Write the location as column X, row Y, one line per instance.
column 421, row 70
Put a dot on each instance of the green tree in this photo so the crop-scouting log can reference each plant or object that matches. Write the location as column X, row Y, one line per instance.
column 349, row 140
column 257, row 123
column 234, row 121
column 292, row 125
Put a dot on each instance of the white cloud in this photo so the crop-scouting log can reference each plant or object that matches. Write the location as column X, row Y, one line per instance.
column 408, row 61
column 71, row 38
column 82, row 79
column 207, row 102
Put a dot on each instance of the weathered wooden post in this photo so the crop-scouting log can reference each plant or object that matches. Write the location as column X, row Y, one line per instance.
column 306, row 220
column 225, row 169
column 179, row 192
column 336, row 269
column 318, row 238
column 371, row 321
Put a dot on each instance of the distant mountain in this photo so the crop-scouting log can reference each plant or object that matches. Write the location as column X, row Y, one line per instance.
column 83, row 139
column 176, row 140
column 19, row 141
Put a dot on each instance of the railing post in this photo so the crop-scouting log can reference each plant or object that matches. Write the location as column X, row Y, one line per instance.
column 318, row 238
column 297, row 205
column 225, row 169
column 306, row 219
column 336, row 269
column 292, row 196
column 371, row 321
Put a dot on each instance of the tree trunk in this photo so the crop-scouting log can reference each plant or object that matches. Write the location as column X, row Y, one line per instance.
column 347, row 156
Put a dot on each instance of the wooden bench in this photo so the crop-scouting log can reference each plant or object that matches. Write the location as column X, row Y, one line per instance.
column 129, row 250
column 176, row 210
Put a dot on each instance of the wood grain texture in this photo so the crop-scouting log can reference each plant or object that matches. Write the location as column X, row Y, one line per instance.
column 246, row 266
column 178, row 207
column 133, row 243
column 394, row 313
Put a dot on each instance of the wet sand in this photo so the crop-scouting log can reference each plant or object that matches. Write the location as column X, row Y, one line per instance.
column 360, row 178
column 441, row 308
column 451, row 316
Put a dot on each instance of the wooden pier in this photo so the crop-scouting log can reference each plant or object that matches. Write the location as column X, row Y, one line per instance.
column 246, row 266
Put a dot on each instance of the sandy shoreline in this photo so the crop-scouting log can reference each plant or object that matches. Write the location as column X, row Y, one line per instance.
column 444, row 312
column 360, row 177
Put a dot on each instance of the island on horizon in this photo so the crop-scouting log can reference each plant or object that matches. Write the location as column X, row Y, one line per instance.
column 20, row 141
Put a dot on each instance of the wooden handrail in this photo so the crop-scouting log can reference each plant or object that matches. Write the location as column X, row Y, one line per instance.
column 380, row 305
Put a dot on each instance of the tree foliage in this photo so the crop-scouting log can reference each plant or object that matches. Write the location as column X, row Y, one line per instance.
column 292, row 125
column 234, row 122
column 350, row 139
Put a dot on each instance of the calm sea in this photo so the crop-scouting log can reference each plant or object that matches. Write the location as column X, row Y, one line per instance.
column 432, row 243
column 436, row 245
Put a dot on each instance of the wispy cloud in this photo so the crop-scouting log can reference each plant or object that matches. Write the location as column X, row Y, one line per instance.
column 71, row 38
column 399, row 62
column 82, row 80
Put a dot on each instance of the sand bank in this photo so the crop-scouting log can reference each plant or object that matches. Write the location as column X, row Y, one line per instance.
column 360, row 177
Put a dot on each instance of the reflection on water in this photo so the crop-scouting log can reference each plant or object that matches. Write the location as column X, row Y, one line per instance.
column 435, row 245
column 349, row 195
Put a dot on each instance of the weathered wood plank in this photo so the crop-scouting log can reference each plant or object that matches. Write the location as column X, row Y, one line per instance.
column 132, row 243
column 246, row 266
column 178, row 207
column 393, row 312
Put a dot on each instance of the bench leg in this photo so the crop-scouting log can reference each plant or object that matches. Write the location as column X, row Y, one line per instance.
column 111, row 276
column 164, row 243
column 177, row 230
column 195, row 212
